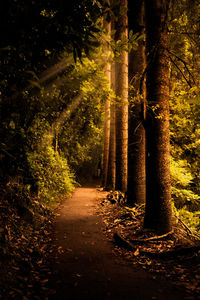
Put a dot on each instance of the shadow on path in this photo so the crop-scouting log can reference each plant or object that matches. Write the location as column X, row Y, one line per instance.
column 88, row 269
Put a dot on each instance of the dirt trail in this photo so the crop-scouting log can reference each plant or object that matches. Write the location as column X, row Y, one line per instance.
column 88, row 269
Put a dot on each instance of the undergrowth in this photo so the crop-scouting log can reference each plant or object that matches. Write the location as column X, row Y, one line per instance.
column 52, row 175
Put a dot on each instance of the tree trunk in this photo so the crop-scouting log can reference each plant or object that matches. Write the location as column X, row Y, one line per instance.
column 122, row 104
column 107, row 72
column 158, row 186
column 111, row 180
column 137, row 108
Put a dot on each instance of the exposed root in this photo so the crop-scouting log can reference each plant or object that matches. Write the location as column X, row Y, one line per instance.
column 154, row 238
column 122, row 242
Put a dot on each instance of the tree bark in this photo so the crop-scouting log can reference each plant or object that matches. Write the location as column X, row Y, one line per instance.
column 122, row 104
column 137, row 107
column 107, row 72
column 158, row 186
column 111, row 180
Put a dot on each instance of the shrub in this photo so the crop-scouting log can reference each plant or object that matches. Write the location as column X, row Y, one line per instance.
column 52, row 174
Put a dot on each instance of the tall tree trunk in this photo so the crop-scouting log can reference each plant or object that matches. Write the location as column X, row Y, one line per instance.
column 122, row 105
column 158, row 187
column 107, row 72
column 111, row 180
column 137, row 108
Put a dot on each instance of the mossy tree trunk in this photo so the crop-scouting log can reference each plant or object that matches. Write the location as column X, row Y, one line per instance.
column 158, row 186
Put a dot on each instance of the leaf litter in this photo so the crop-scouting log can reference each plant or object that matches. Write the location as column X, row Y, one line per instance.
column 25, row 249
column 175, row 256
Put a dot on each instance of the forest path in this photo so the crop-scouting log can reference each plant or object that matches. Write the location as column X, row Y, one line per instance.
column 87, row 268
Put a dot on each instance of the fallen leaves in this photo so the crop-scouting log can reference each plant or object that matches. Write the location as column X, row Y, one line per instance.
column 182, row 269
column 136, row 252
column 25, row 248
column 69, row 250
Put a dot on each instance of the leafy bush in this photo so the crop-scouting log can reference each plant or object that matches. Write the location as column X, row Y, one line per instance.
column 185, row 153
column 52, row 174
column 190, row 218
column 181, row 186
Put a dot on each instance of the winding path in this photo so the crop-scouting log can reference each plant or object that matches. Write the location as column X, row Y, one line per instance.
column 88, row 269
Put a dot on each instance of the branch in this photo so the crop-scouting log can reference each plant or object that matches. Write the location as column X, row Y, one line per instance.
column 188, row 82
column 183, row 32
column 185, row 65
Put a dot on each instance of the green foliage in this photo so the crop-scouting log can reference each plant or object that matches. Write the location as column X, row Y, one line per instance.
column 66, row 128
column 66, row 111
column 185, row 161
column 182, row 193
column 80, row 137
column 184, row 197
column 52, row 174
column 189, row 218
column 185, row 106
column 180, row 173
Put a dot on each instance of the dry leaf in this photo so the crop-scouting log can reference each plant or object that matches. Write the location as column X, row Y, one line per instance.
column 137, row 252
column 44, row 281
